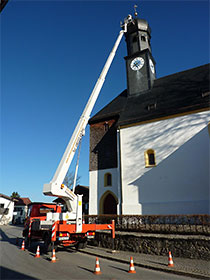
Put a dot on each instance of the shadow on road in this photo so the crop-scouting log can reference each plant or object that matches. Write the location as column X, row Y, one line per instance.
column 84, row 268
column 119, row 268
column 163, row 264
column 6, row 273
column 17, row 241
column 5, row 238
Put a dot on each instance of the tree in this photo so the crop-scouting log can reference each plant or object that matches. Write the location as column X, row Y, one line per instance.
column 15, row 195
column 69, row 180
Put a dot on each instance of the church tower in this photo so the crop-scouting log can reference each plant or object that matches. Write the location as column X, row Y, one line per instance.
column 140, row 65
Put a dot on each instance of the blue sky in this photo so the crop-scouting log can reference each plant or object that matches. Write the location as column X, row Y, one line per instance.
column 52, row 53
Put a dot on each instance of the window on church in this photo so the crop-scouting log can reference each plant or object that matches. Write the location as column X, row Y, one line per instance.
column 150, row 158
column 106, row 126
column 107, row 180
column 143, row 38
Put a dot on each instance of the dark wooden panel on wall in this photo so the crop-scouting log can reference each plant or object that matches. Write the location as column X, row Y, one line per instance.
column 103, row 145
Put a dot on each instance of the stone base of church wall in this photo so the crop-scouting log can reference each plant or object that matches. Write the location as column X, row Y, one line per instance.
column 186, row 246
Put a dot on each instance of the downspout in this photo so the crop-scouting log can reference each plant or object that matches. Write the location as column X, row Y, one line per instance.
column 119, row 177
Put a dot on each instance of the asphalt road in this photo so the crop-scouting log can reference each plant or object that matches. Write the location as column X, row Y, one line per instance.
column 18, row 264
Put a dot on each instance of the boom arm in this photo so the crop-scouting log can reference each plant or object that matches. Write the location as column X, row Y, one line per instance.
column 55, row 187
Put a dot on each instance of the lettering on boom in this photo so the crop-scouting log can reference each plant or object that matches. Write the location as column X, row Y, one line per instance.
column 80, row 134
column 69, row 192
column 78, row 140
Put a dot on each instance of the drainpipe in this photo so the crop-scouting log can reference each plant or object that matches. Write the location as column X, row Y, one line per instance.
column 119, row 179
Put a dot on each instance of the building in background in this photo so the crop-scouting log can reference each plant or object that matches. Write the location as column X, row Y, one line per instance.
column 149, row 147
column 6, row 209
column 20, row 209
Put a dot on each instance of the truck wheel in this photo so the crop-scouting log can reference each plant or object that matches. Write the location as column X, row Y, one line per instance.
column 84, row 244
column 81, row 245
column 47, row 244
column 27, row 242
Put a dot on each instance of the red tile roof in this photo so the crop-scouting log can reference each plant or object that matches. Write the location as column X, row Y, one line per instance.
column 23, row 201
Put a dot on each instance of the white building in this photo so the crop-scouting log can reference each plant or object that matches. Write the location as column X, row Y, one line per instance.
column 149, row 147
column 6, row 209
column 20, row 209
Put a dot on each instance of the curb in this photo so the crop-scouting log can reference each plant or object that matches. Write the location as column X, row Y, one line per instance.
column 162, row 269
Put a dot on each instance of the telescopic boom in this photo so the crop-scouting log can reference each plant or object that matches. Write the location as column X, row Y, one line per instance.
column 56, row 186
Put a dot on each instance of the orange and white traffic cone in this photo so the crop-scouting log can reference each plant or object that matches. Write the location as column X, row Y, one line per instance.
column 170, row 260
column 53, row 258
column 131, row 267
column 37, row 252
column 97, row 267
column 23, row 246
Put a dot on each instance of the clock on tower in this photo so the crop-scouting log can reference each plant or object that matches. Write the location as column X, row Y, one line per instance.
column 140, row 64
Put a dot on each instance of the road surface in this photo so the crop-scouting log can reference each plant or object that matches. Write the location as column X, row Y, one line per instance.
column 18, row 264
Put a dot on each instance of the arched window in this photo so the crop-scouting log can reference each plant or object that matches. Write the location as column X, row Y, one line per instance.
column 150, row 158
column 107, row 180
column 143, row 38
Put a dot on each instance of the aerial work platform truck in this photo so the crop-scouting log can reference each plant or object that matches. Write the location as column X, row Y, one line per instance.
column 63, row 225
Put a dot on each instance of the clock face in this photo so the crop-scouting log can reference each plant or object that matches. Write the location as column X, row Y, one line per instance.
column 152, row 66
column 137, row 63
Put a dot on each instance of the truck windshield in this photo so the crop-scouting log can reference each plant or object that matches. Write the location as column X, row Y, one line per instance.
column 44, row 210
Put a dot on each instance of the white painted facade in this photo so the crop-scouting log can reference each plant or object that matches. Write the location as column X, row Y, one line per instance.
column 178, row 184
column 97, row 189
column 6, row 203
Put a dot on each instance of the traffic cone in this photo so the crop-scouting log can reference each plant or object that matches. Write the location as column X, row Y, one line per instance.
column 170, row 261
column 37, row 252
column 131, row 268
column 53, row 258
column 23, row 246
column 97, row 267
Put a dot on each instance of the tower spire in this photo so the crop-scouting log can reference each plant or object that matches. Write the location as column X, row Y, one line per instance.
column 140, row 64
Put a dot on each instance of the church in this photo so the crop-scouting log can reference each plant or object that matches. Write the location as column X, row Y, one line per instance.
column 149, row 147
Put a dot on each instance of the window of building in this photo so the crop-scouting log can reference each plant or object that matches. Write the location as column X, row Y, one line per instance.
column 151, row 107
column 106, row 126
column 143, row 38
column 150, row 158
column 107, row 180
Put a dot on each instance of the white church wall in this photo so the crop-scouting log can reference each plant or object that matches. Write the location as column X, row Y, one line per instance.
column 97, row 188
column 179, row 184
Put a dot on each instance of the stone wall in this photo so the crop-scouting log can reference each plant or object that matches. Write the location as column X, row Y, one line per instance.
column 186, row 246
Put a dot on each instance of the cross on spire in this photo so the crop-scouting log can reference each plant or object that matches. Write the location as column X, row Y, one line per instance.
column 136, row 14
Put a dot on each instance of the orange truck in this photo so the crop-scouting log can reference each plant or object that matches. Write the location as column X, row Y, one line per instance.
column 48, row 222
